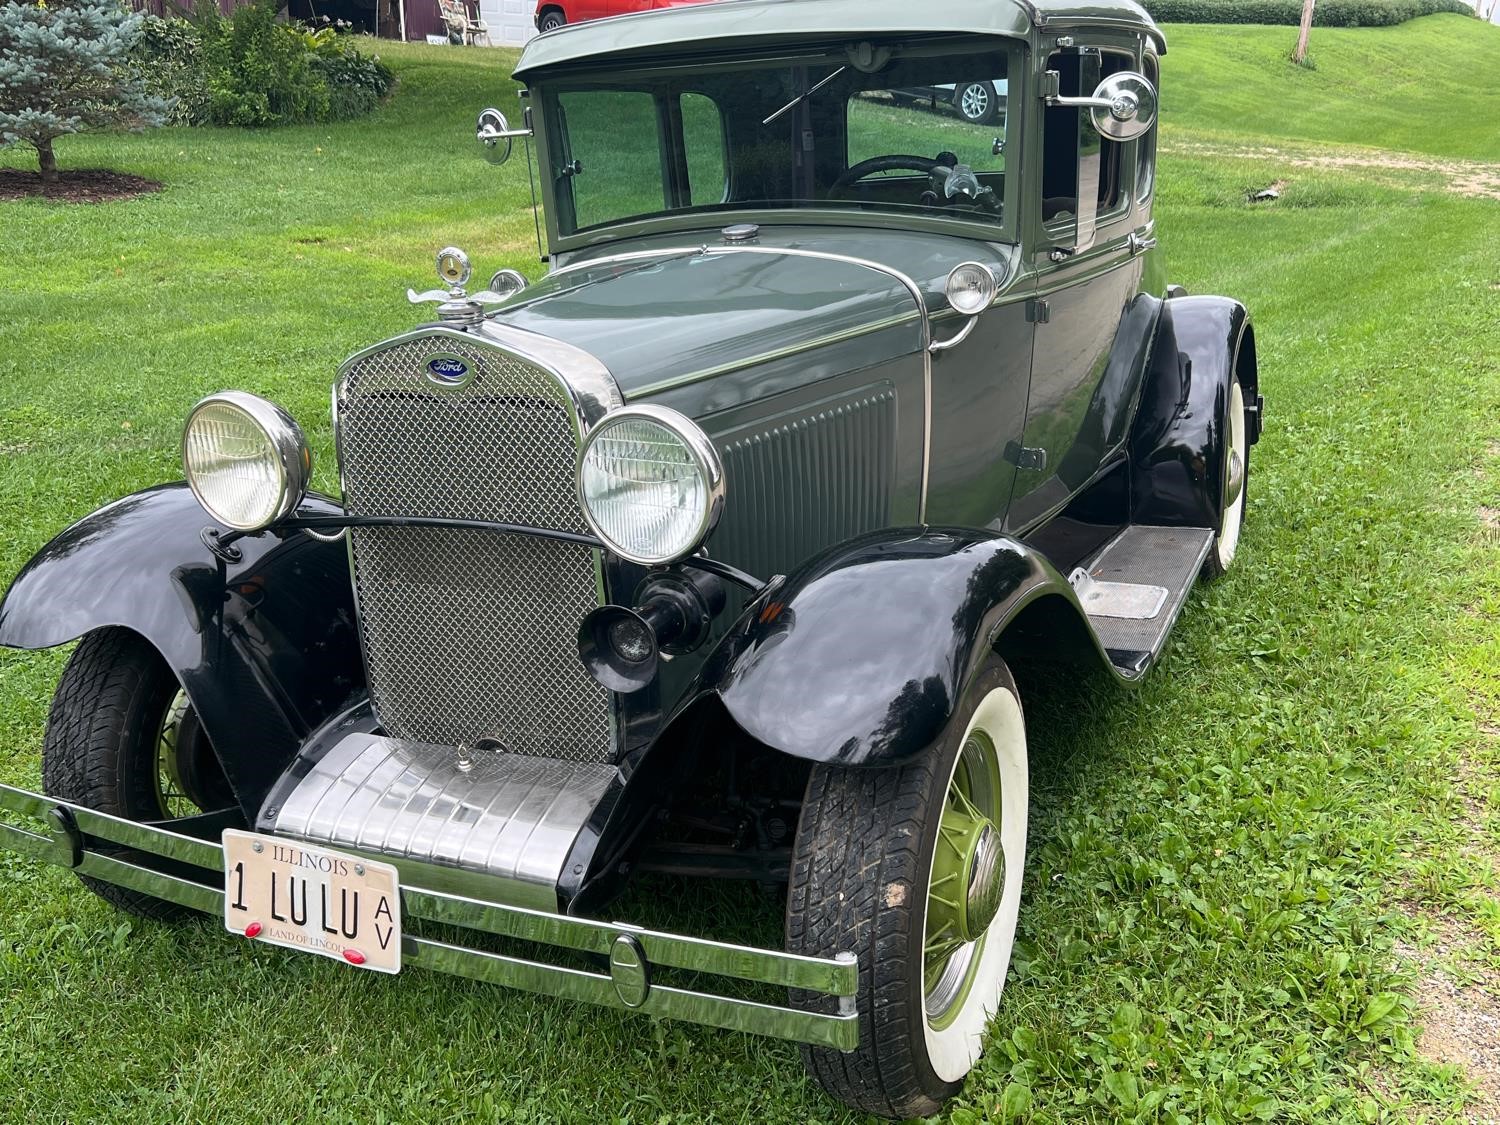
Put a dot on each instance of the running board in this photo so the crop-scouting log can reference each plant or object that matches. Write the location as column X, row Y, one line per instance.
column 1135, row 587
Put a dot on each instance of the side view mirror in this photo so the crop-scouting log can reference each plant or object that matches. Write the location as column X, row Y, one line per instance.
column 491, row 131
column 1122, row 108
column 495, row 135
column 1129, row 107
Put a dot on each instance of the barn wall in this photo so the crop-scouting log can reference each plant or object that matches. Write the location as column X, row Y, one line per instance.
column 183, row 8
column 510, row 21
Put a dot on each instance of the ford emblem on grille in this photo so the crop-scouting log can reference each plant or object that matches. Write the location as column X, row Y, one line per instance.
column 447, row 370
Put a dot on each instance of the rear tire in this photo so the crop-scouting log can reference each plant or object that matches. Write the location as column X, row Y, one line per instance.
column 1235, row 476
column 552, row 19
column 868, row 876
column 104, row 748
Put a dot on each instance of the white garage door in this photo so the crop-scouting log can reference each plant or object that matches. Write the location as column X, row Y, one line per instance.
column 509, row 20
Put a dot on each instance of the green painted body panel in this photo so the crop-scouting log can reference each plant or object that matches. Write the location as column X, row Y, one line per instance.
column 661, row 321
column 753, row 23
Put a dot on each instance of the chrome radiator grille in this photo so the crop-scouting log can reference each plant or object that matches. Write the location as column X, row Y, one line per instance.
column 470, row 634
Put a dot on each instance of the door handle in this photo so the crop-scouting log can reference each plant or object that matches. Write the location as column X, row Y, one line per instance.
column 1138, row 242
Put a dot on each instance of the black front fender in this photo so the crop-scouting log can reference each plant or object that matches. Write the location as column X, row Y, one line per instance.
column 266, row 647
column 860, row 657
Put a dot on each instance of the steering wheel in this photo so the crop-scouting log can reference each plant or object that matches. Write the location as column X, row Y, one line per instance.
column 875, row 164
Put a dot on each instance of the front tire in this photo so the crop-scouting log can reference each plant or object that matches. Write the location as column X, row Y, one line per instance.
column 122, row 739
column 552, row 19
column 917, row 870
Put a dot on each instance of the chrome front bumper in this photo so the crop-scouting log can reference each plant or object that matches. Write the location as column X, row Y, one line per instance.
column 72, row 834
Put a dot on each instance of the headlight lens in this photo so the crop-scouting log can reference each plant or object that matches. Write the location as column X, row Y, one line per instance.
column 651, row 484
column 245, row 459
column 971, row 287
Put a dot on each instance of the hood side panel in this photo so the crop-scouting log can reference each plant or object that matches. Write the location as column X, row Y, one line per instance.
column 659, row 322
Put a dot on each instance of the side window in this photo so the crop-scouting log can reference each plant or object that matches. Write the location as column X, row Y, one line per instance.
column 703, row 146
column 1069, row 140
column 605, row 176
column 1145, row 178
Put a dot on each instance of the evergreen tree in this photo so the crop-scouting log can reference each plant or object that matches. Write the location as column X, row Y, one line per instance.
column 65, row 67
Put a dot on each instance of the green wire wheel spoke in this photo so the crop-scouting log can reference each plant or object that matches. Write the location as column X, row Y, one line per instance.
column 171, row 793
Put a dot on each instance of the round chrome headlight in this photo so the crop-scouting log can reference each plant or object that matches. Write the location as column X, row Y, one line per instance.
column 245, row 459
column 651, row 484
column 970, row 288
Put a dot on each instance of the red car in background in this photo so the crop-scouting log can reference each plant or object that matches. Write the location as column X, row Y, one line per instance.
column 552, row 14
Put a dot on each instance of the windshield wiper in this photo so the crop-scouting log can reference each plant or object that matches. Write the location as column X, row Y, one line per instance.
column 800, row 98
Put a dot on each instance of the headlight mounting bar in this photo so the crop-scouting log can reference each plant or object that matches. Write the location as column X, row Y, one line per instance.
column 222, row 542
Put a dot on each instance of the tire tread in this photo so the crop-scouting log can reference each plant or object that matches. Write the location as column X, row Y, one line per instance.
column 112, row 681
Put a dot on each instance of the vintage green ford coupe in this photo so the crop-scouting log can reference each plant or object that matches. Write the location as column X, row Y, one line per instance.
column 708, row 553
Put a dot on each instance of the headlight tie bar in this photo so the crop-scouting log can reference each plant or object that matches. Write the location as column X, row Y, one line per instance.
column 224, row 541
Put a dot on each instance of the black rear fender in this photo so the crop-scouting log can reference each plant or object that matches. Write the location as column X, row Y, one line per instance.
column 1202, row 344
column 265, row 647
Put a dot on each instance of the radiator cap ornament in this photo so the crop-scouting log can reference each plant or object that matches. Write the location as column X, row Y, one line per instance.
column 453, row 266
column 454, row 305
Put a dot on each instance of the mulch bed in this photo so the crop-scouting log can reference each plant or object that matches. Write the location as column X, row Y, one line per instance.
column 86, row 185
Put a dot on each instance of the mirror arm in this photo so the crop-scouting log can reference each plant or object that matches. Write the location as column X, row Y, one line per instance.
column 1082, row 103
column 488, row 133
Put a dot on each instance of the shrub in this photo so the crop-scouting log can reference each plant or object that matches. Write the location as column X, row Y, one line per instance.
column 170, row 52
column 260, row 71
column 356, row 84
column 1328, row 13
column 250, row 69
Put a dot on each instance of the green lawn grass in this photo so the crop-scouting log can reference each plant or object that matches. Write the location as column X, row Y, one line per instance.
column 1230, row 867
column 1425, row 86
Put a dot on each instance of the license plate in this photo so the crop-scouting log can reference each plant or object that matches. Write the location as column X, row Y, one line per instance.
column 319, row 901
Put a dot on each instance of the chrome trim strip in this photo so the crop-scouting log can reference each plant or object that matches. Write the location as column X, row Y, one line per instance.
column 743, row 962
column 827, row 256
column 173, row 888
column 32, row 845
column 594, row 390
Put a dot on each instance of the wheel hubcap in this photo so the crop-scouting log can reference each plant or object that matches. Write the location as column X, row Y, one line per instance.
column 967, row 873
column 976, row 101
column 1236, row 475
column 986, row 880
column 967, row 880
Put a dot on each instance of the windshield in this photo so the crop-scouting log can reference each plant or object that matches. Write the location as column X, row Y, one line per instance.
column 906, row 128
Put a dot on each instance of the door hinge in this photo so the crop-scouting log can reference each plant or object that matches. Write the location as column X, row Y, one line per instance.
column 1038, row 311
column 1026, row 457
